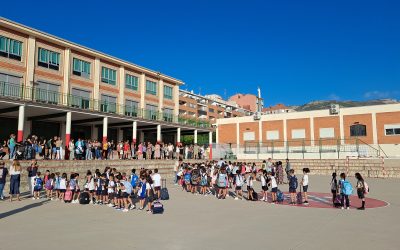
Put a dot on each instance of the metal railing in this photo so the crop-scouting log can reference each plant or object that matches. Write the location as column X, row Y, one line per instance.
column 21, row 92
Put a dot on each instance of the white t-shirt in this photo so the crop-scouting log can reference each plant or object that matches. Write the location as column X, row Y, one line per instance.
column 263, row 181
column 111, row 186
column 273, row 182
column 239, row 180
column 156, row 180
column 305, row 180
column 63, row 183
column 250, row 181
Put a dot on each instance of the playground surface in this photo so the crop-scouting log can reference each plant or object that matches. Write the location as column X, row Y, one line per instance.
column 197, row 222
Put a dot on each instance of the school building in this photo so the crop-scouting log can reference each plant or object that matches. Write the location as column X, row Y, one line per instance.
column 50, row 86
column 336, row 133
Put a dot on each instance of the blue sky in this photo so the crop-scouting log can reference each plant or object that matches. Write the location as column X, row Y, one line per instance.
column 295, row 51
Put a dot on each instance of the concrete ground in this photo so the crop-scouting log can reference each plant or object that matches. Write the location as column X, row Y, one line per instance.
column 197, row 222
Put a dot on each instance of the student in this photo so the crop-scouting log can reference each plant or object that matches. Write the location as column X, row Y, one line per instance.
column 150, row 193
column 292, row 186
column 142, row 193
column 37, row 186
column 274, row 186
column 63, row 186
column 264, row 186
column 111, row 190
column 361, row 190
column 304, row 183
column 89, row 185
column 134, row 180
column 203, row 181
column 99, row 184
column 128, row 189
column 222, row 182
column 156, row 177
column 187, row 179
column 334, row 188
column 49, row 185
column 195, row 180
column 238, row 185
column 344, row 191
column 250, row 184
column 57, row 180
column 72, row 186
column 77, row 190
column 3, row 175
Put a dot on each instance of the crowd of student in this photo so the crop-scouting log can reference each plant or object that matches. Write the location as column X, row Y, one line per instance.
column 115, row 189
column 226, row 178
column 54, row 149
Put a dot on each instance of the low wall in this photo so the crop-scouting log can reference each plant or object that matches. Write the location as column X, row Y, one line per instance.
column 165, row 168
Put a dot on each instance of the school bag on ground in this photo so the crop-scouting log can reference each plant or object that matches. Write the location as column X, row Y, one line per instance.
column 338, row 201
column 279, row 196
column 157, row 208
column 347, row 188
column 84, row 198
column 68, row 196
column 299, row 197
column 164, row 195
column 255, row 195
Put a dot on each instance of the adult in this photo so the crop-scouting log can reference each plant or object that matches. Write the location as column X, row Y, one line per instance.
column 32, row 170
column 3, row 175
column 11, row 146
column 157, row 151
column 196, row 151
column 2, row 153
column 15, row 179
column 71, row 148
column 79, row 149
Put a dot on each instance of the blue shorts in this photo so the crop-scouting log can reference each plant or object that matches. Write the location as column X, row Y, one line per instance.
column 274, row 190
column 305, row 188
column 37, row 189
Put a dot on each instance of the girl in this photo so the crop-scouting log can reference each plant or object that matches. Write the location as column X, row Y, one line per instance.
column 250, row 184
column 334, row 188
column 264, row 186
column 77, row 190
column 342, row 188
column 89, row 185
column 222, row 181
column 239, row 183
column 37, row 186
column 111, row 191
column 57, row 185
column 49, row 185
column 361, row 190
column 203, row 182
column 63, row 186
column 292, row 187
column 214, row 182
column 304, row 183
column 150, row 193
column 274, row 186
column 142, row 192
column 15, row 179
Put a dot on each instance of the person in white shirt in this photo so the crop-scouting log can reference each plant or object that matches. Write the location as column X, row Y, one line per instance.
column 239, row 180
column 156, row 177
column 304, row 184
column 274, row 186
column 264, row 185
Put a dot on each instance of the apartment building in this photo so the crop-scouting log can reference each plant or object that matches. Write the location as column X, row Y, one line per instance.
column 278, row 109
column 249, row 101
column 50, row 86
column 208, row 107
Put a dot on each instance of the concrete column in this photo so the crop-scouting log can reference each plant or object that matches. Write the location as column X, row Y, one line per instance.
column 210, row 142
column 160, row 95
column 175, row 98
column 284, row 133
column 121, row 96
column 312, row 136
column 178, row 135
column 105, row 128
column 67, row 65
column 96, row 80
column 260, row 136
column 374, row 130
column 134, row 131
column 159, row 133
column 142, row 88
column 21, row 121
column 30, row 64
column 68, row 129
column 141, row 136
column 341, row 125
column 195, row 136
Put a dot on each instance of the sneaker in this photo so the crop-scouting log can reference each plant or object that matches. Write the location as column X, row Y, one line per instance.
column 342, row 208
column 348, row 208
column 262, row 199
column 110, row 205
column 125, row 210
column 132, row 207
column 117, row 208
column 361, row 208
column 52, row 199
column 33, row 198
column 91, row 202
column 236, row 198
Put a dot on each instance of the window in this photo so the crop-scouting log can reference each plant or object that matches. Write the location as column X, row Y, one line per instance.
column 80, row 98
column 167, row 92
column 358, row 130
column 392, row 129
column 273, row 135
column 249, row 136
column 47, row 92
column 298, row 133
column 10, row 85
column 108, row 104
column 108, row 75
column 10, row 48
column 151, row 112
column 131, row 82
column 131, row 108
column 168, row 115
column 48, row 59
column 326, row 133
column 81, row 68
column 151, row 88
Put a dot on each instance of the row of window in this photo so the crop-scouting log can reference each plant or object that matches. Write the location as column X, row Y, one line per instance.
column 12, row 48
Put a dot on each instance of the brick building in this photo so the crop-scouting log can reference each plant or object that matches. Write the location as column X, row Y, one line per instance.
column 248, row 101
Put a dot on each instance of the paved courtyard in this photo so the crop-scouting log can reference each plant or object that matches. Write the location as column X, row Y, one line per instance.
column 196, row 222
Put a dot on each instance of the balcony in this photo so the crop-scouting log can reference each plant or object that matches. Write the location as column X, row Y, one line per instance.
column 54, row 98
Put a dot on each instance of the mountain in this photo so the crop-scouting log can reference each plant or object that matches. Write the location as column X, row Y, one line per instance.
column 317, row 105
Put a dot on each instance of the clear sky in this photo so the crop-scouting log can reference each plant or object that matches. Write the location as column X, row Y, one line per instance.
column 295, row 51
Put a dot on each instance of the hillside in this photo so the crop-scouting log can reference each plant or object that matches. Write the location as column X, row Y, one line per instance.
column 317, row 105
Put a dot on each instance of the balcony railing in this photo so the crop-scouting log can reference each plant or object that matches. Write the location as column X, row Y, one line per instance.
column 13, row 91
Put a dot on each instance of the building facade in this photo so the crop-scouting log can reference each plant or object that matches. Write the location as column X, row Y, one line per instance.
column 248, row 101
column 278, row 109
column 208, row 107
column 369, row 131
column 50, row 86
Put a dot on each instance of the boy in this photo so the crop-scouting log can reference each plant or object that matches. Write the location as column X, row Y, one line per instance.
column 292, row 187
column 157, row 183
column 274, row 186
column 134, row 180
column 304, row 184
column 142, row 192
column 37, row 186
column 264, row 185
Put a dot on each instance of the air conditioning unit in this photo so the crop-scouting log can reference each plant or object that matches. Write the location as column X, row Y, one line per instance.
column 257, row 116
column 334, row 109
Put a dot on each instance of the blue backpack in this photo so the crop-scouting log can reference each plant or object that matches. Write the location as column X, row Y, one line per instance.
column 293, row 183
column 142, row 194
column 347, row 188
column 279, row 196
column 39, row 182
column 203, row 181
column 187, row 178
column 134, row 179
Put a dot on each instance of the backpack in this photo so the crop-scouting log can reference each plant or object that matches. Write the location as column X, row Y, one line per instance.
column 221, row 180
column 293, row 183
column 157, row 208
column 195, row 178
column 49, row 184
column 280, row 197
column 38, row 182
column 68, row 196
column 84, row 198
column 255, row 195
column 143, row 190
column 187, row 178
column 203, row 181
column 366, row 188
column 134, row 179
column 347, row 188
column 164, row 195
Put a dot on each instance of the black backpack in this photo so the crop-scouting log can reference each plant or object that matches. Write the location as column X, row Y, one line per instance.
column 84, row 198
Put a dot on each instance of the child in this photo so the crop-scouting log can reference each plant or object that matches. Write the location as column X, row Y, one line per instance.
column 89, row 185
column 334, row 188
column 292, row 187
column 264, row 186
column 250, row 178
column 49, row 185
column 72, row 186
column 57, row 180
column 63, row 186
column 77, row 190
column 274, row 186
column 361, row 190
column 222, row 182
column 118, row 192
column 37, row 186
column 134, row 180
column 345, row 191
column 239, row 184
column 304, row 183
column 187, row 179
column 111, row 190
column 203, row 182
column 150, row 193
column 142, row 192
